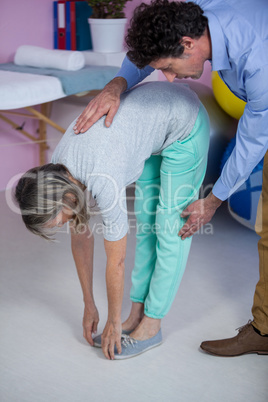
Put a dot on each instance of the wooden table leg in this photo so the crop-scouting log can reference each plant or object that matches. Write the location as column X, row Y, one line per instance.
column 43, row 117
column 43, row 135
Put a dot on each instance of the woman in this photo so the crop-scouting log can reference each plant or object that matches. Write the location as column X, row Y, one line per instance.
column 159, row 139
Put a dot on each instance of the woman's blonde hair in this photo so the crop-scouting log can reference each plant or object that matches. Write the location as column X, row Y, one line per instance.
column 43, row 192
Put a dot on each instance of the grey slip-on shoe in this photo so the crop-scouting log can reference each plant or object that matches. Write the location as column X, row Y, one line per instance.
column 132, row 347
column 97, row 339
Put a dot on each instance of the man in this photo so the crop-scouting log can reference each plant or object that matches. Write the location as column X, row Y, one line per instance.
column 177, row 38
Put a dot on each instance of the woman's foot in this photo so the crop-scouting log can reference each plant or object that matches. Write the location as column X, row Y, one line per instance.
column 132, row 347
column 146, row 336
column 135, row 317
column 147, row 328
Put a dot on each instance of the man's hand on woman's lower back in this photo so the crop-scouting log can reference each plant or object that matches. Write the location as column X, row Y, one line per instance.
column 105, row 103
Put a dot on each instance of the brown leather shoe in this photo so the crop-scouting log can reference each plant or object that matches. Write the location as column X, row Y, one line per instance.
column 246, row 341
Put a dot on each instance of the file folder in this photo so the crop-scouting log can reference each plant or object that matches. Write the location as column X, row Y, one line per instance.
column 61, row 9
column 70, row 26
column 83, row 38
column 55, row 24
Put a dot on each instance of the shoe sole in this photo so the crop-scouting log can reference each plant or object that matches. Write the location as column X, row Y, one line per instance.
column 119, row 357
column 97, row 345
column 240, row 354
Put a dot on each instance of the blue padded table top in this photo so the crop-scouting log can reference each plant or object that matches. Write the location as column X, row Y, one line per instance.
column 73, row 82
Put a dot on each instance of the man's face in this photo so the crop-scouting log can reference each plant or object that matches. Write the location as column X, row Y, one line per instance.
column 189, row 65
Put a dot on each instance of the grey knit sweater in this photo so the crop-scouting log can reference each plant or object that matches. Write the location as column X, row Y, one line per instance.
column 106, row 160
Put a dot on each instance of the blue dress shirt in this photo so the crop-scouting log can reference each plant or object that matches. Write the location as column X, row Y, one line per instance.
column 239, row 36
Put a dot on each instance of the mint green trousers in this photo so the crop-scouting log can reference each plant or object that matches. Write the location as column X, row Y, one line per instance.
column 168, row 184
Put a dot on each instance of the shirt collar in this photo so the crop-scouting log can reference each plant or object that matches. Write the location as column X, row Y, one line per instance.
column 220, row 59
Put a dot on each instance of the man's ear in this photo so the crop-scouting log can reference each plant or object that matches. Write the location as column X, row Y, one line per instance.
column 187, row 42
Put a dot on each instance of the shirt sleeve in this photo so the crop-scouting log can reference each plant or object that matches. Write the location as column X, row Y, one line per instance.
column 111, row 201
column 132, row 74
column 251, row 137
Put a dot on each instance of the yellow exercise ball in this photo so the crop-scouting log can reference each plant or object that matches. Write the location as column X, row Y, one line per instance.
column 230, row 103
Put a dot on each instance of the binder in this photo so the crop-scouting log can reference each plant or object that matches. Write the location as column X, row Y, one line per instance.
column 61, row 18
column 55, row 24
column 70, row 26
column 73, row 26
column 83, row 38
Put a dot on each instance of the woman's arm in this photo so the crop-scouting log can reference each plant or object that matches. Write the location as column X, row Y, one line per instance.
column 83, row 249
column 115, row 270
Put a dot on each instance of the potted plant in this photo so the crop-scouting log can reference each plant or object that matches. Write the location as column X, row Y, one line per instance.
column 107, row 25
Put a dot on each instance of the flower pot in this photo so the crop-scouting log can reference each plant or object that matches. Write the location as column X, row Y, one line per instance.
column 107, row 34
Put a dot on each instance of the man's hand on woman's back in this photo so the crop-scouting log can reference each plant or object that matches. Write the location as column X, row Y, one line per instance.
column 105, row 103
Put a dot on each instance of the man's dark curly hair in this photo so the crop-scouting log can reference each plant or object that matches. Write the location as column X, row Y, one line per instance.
column 156, row 30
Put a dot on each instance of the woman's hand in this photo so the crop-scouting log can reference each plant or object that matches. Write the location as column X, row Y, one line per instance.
column 110, row 338
column 105, row 103
column 90, row 322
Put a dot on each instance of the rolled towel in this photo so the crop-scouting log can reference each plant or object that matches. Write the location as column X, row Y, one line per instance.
column 36, row 56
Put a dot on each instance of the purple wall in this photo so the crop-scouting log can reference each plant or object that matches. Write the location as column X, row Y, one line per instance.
column 22, row 22
column 29, row 22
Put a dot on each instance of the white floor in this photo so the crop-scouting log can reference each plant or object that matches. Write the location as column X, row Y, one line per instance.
column 44, row 357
